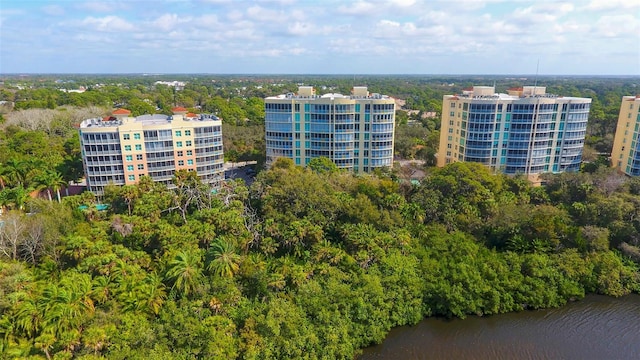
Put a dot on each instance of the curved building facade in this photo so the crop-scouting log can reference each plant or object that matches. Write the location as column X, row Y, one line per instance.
column 355, row 131
column 625, row 155
column 120, row 149
column 523, row 132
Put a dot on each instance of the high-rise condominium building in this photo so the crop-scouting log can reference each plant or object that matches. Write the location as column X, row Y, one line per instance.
column 625, row 155
column 354, row 131
column 118, row 149
column 523, row 132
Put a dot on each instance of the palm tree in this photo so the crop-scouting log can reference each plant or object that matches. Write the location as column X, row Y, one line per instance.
column 45, row 342
column 154, row 292
column 28, row 317
column 3, row 176
column 185, row 271
column 5, row 199
column 129, row 193
column 58, row 183
column 50, row 180
column 14, row 171
column 18, row 197
column 71, row 170
column 101, row 288
column 66, row 305
column 223, row 260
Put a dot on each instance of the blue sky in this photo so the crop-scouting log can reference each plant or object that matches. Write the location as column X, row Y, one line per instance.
column 583, row 37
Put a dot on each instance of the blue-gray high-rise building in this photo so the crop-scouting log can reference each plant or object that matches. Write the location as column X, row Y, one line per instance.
column 355, row 131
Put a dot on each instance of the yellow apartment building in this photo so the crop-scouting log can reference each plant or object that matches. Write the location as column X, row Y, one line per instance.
column 525, row 131
column 625, row 155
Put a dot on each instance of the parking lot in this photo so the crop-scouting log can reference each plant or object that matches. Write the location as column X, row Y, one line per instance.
column 240, row 170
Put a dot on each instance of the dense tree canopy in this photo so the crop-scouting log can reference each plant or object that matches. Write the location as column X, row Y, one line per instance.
column 304, row 263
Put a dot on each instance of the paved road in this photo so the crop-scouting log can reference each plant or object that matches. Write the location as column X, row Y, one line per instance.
column 240, row 170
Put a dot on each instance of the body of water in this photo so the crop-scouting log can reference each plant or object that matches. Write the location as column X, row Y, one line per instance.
column 597, row 327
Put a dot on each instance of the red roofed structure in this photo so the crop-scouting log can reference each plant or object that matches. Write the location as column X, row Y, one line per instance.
column 179, row 110
column 121, row 112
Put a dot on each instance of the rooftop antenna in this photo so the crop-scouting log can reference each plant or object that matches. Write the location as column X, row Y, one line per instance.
column 535, row 81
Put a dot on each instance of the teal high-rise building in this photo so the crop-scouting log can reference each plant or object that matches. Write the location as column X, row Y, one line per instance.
column 355, row 131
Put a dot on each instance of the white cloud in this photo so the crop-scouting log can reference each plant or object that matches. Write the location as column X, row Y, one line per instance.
column 571, row 27
column 217, row 1
column 234, row 15
column 300, row 29
column 278, row 2
column 209, row 21
column 168, row 22
column 297, row 51
column 403, row 3
column 260, row 13
column 603, row 5
column 625, row 26
column 108, row 23
column 361, row 8
column 465, row 34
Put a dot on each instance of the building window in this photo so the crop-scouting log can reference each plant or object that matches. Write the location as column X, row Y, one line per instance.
column 180, row 162
column 136, row 136
column 178, row 133
column 189, row 162
column 188, row 143
column 126, row 137
column 178, row 143
column 129, row 157
column 140, row 166
column 129, row 167
column 139, row 157
column 180, row 153
column 127, row 148
column 187, row 133
column 189, row 152
column 138, row 147
column 132, row 178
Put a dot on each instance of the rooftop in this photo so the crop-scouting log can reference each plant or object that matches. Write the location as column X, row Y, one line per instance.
column 145, row 120
column 121, row 112
column 307, row 92
column 488, row 93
